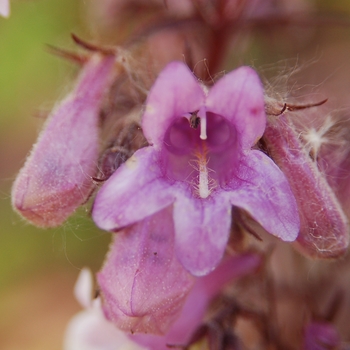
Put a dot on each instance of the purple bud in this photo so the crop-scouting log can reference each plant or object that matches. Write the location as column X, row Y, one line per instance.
column 146, row 290
column 89, row 329
column 143, row 285
column 323, row 225
column 205, row 289
column 56, row 177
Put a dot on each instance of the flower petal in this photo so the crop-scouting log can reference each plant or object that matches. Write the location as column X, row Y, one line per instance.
column 143, row 284
column 56, row 177
column 239, row 97
column 201, row 231
column 175, row 93
column 264, row 192
column 135, row 191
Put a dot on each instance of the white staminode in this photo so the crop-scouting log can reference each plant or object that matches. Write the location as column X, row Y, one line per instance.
column 203, row 124
column 203, row 187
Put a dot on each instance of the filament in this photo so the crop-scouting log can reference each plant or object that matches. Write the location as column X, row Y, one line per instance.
column 203, row 134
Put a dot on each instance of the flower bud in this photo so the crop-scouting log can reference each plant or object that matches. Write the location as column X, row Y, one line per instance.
column 323, row 225
column 56, row 177
column 192, row 316
column 143, row 285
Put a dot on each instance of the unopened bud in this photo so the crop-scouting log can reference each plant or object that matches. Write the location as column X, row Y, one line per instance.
column 323, row 225
column 143, row 285
column 56, row 177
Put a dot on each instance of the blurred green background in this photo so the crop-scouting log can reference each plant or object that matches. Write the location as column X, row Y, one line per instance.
column 38, row 268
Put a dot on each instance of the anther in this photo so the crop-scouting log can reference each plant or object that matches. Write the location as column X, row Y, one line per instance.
column 194, row 120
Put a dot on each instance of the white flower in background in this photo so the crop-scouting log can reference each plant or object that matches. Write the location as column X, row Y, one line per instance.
column 4, row 8
column 89, row 329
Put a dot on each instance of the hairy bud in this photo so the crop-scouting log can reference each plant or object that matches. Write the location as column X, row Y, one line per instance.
column 323, row 225
column 56, row 177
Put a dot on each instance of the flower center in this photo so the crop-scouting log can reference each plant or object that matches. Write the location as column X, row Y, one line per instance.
column 201, row 149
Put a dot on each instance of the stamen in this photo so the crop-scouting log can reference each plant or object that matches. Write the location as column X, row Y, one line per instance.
column 203, row 124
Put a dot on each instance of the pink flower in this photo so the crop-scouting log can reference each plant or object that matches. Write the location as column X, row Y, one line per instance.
column 56, row 177
column 200, row 161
